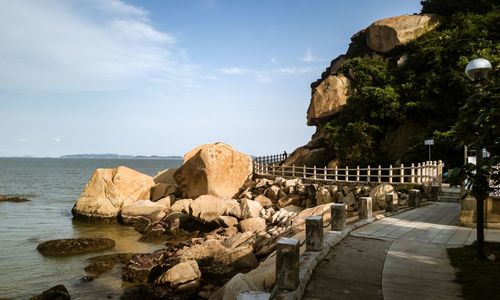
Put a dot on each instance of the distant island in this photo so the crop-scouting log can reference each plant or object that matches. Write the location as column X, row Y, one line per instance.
column 119, row 156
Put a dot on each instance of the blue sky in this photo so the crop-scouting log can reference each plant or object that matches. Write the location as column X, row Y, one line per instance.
column 161, row 77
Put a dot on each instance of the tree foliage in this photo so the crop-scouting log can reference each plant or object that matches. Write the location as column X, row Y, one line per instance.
column 450, row 7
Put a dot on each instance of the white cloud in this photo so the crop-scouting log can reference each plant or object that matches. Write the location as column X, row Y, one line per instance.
column 309, row 57
column 233, row 71
column 56, row 140
column 24, row 140
column 89, row 45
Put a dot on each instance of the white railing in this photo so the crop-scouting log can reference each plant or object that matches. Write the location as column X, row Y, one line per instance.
column 426, row 173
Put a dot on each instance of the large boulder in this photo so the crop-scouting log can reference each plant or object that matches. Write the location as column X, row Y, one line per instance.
column 253, row 224
column 386, row 34
column 166, row 176
column 328, row 98
column 378, row 195
column 213, row 169
column 143, row 209
column 208, row 208
column 109, row 190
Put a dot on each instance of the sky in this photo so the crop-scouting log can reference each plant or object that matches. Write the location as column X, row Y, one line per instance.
column 157, row 77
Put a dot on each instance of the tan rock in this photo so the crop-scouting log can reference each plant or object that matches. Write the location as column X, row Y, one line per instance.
column 253, row 224
column 180, row 274
column 109, row 190
column 273, row 192
column 166, row 176
column 328, row 98
column 288, row 200
column 386, row 34
column 233, row 209
column 378, row 195
column 208, row 208
column 238, row 239
column 161, row 190
column 227, row 221
column 238, row 284
column 323, row 196
column 207, row 249
column 182, row 206
column 213, row 169
column 143, row 208
column 166, row 201
column 309, row 212
column 250, row 208
column 349, row 199
column 264, row 201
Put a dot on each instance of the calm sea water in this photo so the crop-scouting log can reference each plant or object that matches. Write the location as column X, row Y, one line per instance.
column 53, row 185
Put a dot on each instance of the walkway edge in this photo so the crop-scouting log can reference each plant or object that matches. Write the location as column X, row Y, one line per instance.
column 310, row 259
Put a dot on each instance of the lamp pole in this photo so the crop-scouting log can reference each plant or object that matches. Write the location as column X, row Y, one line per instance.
column 477, row 70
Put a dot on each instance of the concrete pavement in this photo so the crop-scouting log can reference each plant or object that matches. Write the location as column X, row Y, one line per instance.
column 409, row 250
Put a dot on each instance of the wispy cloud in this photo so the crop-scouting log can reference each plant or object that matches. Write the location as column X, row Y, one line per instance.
column 24, row 140
column 233, row 71
column 106, row 44
column 309, row 57
column 266, row 75
column 56, row 140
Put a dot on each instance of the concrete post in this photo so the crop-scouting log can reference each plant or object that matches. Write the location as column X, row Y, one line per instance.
column 391, row 202
column 365, row 210
column 287, row 263
column 414, row 198
column 338, row 212
column 314, row 233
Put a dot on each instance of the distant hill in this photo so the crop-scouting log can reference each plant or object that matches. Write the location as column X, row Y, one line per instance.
column 119, row 156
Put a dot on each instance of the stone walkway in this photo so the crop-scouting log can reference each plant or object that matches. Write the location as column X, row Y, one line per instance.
column 413, row 264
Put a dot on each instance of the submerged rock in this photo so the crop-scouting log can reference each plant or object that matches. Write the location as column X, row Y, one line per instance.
column 103, row 263
column 58, row 292
column 12, row 199
column 75, row 246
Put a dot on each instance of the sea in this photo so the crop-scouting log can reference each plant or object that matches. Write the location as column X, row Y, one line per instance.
column 53, row 185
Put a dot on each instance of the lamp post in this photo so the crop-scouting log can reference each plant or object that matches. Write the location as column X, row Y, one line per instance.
column 477, row 70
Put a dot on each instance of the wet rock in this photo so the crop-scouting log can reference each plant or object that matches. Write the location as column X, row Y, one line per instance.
column 103, row 263
column 58, row 292
column 74, row 246
column 12, row 199
column 139, row 268
column 154, row 234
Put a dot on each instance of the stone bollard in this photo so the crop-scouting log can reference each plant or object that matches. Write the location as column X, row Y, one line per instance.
column 391, row 202
column 314, row 233
column 287, row 263
column 338, row 212
column 365, row 210
column 414, row 198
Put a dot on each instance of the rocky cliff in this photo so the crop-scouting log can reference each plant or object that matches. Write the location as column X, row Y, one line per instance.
column 333, row 90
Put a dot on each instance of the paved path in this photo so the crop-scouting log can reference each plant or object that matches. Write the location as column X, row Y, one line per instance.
column 409, row 250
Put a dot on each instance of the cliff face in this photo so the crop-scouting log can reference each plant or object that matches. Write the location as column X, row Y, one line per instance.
column 333, row 90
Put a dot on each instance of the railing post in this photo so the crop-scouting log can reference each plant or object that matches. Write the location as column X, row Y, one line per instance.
column 368, row 174
column 304, row 168
column 357, row 174
column 287, row 263
column 336, row 172
column 346, row 174
column 293, row 170
column 391, row 202
column 338, row 216
column 314, row 172
column 365, row 210
column 325, row 173
column 379, row 174
column 282, row 171
column 440, row 174
column 412, row 173
column 314, row 233
column 390, row 173
column 402, row 174
column 274, row 170
column 419, row 173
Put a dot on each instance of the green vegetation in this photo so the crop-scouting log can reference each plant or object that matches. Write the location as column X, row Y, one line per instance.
column 478, row 278
column 428, row 89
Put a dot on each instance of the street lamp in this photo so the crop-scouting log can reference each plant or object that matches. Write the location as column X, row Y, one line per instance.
column 478, row 70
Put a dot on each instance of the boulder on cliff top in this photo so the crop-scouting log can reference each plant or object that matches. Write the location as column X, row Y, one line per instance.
column 109, row 190
column 328, row 98
column 386, row 34
column 213, row 169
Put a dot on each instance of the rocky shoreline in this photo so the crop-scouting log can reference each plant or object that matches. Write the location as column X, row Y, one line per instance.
column 213, row 228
